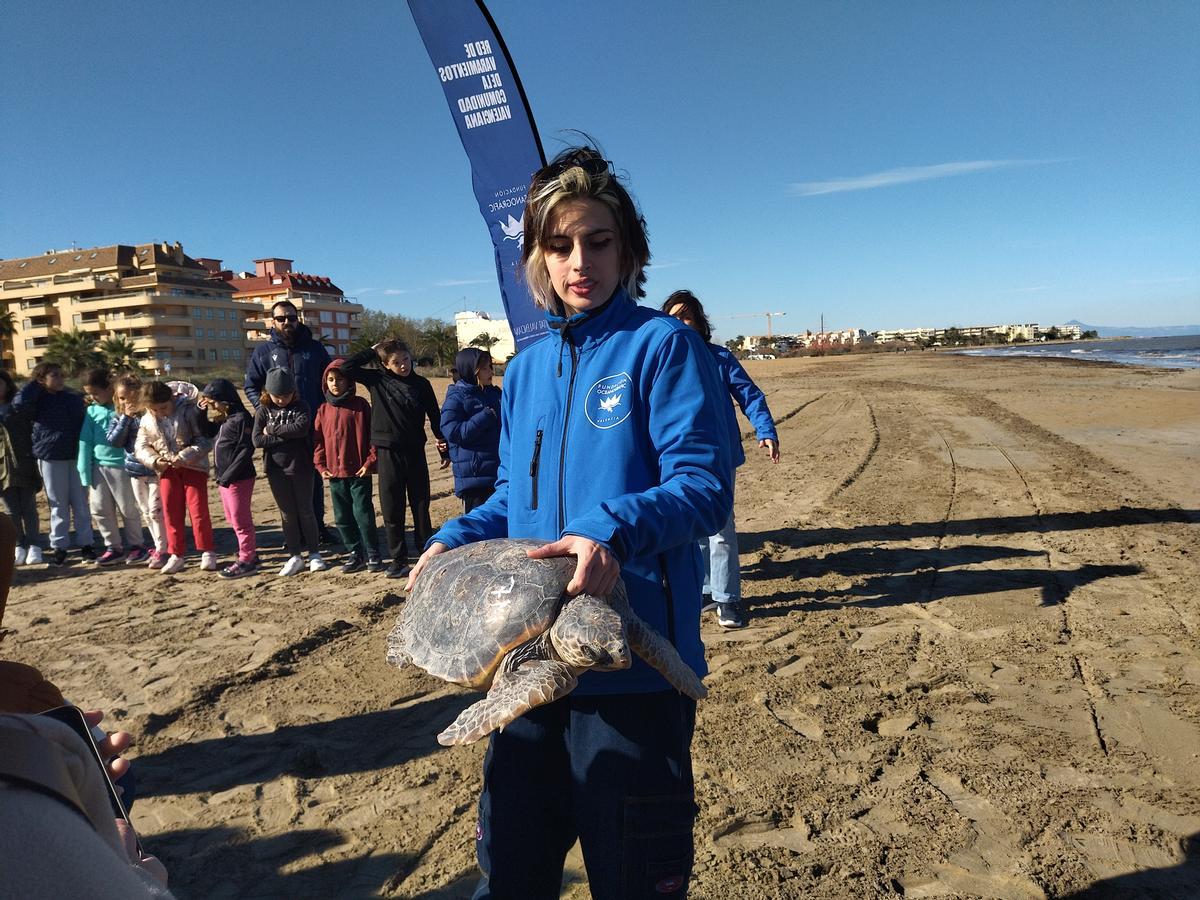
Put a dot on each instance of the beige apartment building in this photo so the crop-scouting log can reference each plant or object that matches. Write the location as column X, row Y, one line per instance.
column 332, row 317
column 179, row 318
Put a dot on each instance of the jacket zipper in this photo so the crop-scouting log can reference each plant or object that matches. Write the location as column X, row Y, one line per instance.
column 562, row 456
column 533, row 466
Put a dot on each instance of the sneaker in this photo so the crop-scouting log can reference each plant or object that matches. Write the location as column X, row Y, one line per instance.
column 732, row 614
column 136, row 555
column 20, row 556
column 316, row 564
column 59, row 558
column 240, row 568
column 208, row 561
column 172, row 565
column 293, row 566
column 374, row 564
column 156, row 560
column 110, row 557
column 398, row 569
column 88, row 553
column 34, row 556
column 352, row 564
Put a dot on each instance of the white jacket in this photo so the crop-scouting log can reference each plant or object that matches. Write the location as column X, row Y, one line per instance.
column 180, row 438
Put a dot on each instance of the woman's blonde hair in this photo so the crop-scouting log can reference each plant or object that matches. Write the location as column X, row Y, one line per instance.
column 578, row 173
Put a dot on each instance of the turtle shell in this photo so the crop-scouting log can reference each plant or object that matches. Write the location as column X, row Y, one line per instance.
column 474, row 604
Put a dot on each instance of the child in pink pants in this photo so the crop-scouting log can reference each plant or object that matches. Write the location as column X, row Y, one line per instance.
column 231, row 424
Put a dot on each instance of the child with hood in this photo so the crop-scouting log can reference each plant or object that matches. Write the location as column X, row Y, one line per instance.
column 344, row 456
column 283, row 428
column 471, row 426
column 173, row 441
column 57, row 416
column 122, row 433
column 233, row 468
column 102, row 472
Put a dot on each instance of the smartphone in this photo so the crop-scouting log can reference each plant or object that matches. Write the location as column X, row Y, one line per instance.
column 72, row 717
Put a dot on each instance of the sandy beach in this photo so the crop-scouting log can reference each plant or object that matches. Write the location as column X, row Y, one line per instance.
column 972, row 667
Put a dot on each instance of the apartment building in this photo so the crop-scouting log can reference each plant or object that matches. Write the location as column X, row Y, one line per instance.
column 331, row 315
column 178, row 317
column 470, row 325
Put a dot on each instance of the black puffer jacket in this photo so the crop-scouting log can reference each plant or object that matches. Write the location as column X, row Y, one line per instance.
column 233, row 451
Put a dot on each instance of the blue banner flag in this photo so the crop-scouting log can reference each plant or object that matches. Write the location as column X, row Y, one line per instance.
column 497, row 130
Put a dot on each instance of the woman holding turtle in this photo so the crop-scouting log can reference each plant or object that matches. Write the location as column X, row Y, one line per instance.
column 613, row 451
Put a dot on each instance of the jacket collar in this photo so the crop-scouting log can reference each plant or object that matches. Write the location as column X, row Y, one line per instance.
column 586, row 329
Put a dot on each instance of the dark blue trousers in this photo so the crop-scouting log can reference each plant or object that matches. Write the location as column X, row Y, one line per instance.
column 613, row 771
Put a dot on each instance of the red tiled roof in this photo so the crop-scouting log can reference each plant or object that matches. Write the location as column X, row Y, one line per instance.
column 299, row 281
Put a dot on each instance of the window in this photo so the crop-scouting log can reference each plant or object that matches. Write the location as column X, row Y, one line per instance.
column 212, row 355
column 224, row 353
column 237, row 353
column 197, row 312
column 208, row 313
column 343, row 333
column 221, row 314
column 200, row 352
column 212, row 333
column 342, row 318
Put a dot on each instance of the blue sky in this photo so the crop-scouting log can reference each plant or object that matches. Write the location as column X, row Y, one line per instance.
column 884, row 164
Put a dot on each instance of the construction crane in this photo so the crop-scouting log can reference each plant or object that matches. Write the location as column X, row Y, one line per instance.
column 755, row 316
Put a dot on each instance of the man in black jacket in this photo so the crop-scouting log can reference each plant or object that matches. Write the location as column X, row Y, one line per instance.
column 401, row 400
column 291, row 345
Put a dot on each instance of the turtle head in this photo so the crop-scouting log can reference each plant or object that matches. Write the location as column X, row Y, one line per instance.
column 590, row 634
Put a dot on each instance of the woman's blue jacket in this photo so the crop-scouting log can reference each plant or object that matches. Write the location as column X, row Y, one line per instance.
column 611, row 430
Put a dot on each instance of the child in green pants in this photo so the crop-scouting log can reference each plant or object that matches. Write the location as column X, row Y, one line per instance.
column 343, row 454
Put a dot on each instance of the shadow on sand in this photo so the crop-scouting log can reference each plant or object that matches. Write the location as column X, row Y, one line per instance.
column 360, row 743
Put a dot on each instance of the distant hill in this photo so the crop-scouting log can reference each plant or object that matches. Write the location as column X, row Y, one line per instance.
column 1107, row 331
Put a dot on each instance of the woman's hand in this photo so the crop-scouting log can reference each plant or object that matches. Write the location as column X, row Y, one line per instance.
column 434, row 549
column 596, row 568
column 772, row 446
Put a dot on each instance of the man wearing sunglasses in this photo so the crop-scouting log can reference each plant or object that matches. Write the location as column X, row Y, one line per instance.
column 291, row 345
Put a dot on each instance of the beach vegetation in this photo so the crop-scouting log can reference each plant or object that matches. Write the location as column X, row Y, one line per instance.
column 74, row 350
column 119, row 353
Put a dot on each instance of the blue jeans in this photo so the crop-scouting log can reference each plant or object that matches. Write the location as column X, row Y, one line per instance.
column 722, row 568
column 613, row 771
column 65, row 495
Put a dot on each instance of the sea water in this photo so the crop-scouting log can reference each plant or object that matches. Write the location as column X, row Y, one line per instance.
column 1176, row 352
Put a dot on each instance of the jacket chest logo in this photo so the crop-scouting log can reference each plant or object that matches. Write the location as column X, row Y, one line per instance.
column 609, row 401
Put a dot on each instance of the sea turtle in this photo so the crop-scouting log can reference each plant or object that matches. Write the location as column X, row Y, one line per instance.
column 488, row 617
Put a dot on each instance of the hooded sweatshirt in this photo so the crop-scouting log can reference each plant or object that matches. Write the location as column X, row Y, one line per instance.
column 342, row 431
column 233, row 450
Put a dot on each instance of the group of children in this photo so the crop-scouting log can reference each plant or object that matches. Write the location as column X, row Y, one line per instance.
column 137, row 457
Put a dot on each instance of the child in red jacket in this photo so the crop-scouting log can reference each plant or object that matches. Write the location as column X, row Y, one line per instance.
column 343, row 454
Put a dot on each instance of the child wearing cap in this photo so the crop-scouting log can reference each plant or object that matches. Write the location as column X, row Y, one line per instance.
column 344, row 456
column 229, row 422
column 283, row 429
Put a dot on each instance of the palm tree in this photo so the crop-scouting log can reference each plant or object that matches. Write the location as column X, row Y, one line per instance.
column 439, row 340
column 74, row 350
column 486, row 341
column 119, row 353
column 8, row 326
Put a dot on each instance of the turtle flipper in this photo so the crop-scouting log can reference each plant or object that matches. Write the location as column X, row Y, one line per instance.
column 656, row 650
column 512, row 694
